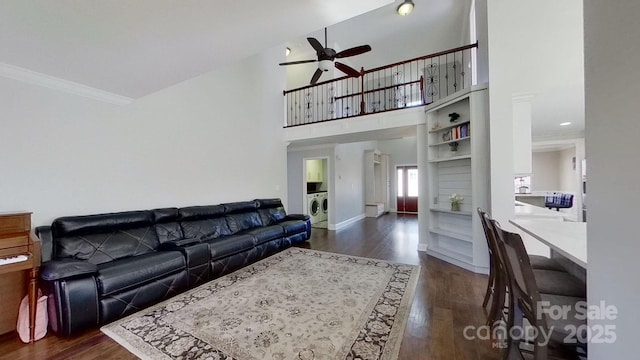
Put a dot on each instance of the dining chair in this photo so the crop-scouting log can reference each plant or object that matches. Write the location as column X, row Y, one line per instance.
column 557, row 282
column 527, row 302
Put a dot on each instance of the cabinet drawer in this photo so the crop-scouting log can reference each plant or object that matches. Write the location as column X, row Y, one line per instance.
column 14, row 223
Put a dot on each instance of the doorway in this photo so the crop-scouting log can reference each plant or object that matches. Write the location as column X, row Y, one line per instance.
column 407, row 180
column 316, row 190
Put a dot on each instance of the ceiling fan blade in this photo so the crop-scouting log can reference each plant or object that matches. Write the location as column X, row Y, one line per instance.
column 353, row 51
column 297, row 62
column 316, row 45
column 347, row 69
column 316, row 76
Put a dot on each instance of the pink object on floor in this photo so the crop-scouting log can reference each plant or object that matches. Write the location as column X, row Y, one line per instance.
column 42, row 320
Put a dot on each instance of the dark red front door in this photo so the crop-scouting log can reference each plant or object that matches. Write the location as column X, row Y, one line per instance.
column 407, row 180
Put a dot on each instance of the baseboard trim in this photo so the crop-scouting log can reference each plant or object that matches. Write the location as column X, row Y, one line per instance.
column 475, row 269
column 343, row 224
column 51, row 82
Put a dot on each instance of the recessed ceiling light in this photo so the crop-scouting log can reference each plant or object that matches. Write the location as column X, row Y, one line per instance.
column 565, row 123
column 287, row 51
column 405, row 8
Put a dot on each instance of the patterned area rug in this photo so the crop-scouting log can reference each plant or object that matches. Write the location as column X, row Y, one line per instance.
column 297, row 304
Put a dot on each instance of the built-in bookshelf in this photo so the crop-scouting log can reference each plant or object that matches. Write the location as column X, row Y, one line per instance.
column 457, row 162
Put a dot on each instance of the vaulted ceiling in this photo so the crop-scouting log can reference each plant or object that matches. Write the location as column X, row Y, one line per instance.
column 133, row 48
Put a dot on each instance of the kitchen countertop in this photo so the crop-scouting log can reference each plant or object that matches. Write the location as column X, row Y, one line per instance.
column 524, row 210
column 567, row 238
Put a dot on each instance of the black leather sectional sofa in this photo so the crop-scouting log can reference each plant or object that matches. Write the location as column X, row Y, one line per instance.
column 98, row 268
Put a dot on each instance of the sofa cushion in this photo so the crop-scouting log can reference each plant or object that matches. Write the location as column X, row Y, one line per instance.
column 240, row 207
column 243, row 221
column 229, row 245
column 272, row 216
column 208, row 228
column 167, row 225
column 293, row 226
column 103, row 247
column 100, row 223
column 267, row 233
column 119, row 275
column 201, row 212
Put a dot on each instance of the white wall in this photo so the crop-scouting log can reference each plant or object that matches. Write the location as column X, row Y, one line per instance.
column 566, row 171
column 349, row 180
column 402, row 151
column 545, row 174
column 483, row 42
column 553, row 171
column 197, row 142
column 442, row 25
column 519, row 32
column 612, row 86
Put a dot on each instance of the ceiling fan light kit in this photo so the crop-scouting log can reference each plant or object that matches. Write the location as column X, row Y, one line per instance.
column 405, row 8
column 326, row 58
column 325, row 65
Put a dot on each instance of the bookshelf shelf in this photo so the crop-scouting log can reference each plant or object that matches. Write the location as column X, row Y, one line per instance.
column 452, row 234
column 457, row 236
column 464, row 213
column 452, row 158
column 451, row 126
column 450, row 141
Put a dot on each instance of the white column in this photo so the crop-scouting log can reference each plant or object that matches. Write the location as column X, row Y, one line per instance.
column 521, row 114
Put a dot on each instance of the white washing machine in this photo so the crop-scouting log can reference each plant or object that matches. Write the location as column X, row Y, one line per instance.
column 314, row 207
column 324, row 206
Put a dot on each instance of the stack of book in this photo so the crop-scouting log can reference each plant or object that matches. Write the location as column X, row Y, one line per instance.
column 458, row 132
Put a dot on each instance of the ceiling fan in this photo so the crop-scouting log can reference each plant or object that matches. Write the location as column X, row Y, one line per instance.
column 326, row 57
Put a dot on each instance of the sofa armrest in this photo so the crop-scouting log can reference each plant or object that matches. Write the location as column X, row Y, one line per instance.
column 66, row 268
column 196, row 254
column 46, row 242
column 175, row 244
column 297, row 217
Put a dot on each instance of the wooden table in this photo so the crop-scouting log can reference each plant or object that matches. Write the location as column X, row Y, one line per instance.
column 16, row 238
column 568, row 239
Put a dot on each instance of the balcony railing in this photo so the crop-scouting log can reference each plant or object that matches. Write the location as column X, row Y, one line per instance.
column 406, row 84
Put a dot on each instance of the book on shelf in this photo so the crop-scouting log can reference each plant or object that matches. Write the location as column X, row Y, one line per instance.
column 457, row 132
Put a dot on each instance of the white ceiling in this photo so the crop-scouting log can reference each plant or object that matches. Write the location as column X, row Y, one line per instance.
column 133, row 48
column 433, row 26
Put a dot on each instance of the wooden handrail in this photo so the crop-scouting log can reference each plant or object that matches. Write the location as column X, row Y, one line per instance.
column 461, row 48
column 378, row 89
column 318, row 102
column 363, row 72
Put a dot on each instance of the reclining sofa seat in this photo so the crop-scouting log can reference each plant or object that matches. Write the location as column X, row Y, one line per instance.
column 102, row 267
column 98, row 268
column 241, row 233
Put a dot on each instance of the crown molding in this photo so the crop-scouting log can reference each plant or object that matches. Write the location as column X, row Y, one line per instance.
column 51, row 82
column 559, row 138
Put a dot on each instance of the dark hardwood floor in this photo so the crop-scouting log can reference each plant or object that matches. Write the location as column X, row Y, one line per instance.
column 447, row 300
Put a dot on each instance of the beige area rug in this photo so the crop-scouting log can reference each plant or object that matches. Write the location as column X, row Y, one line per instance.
column 297, row 304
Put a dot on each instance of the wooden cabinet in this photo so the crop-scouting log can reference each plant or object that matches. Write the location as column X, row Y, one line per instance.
column 315, row 171
column 457, row 162
column 18, row 278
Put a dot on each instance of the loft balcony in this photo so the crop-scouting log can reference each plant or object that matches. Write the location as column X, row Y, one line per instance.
column 403, row 85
